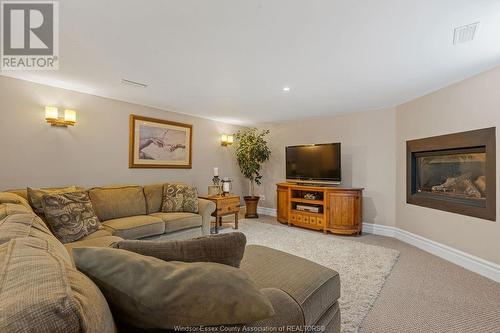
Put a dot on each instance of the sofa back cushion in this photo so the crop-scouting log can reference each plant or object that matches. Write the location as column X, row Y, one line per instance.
column 118, row 201
column 12, row 198
column 22, row 192
column 154, row 197
column 7, row 209
column 37, row 293
column 95, row 310
column 17, row 222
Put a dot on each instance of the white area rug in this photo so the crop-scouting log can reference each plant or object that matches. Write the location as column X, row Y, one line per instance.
column 363, row 268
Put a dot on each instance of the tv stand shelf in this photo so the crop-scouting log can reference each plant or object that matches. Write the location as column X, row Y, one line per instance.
column 338, row 208
column 309, row 201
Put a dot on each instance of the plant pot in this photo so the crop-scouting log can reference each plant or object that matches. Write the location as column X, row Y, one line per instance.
column 251, row 207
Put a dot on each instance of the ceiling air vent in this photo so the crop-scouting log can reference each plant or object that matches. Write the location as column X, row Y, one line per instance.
column 465, row 33
column 134, row 83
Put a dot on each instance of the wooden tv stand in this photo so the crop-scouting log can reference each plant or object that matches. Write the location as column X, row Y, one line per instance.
column 338, row 208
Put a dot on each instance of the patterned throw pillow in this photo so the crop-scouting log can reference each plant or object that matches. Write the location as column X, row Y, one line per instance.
column 179, row 198
column 35, row 196
column 70, row 216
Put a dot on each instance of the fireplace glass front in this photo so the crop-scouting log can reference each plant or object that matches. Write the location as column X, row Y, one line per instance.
column 457, row 174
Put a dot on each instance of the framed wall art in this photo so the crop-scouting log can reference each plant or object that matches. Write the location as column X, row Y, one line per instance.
column 157, row 143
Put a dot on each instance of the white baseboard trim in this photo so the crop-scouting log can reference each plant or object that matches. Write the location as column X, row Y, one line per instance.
column 266, row 211
column 468, row 261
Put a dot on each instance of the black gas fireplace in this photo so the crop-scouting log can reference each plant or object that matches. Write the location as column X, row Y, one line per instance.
column 454, row 172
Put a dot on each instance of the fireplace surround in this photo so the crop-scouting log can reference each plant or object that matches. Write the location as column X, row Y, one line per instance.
column 454, row 172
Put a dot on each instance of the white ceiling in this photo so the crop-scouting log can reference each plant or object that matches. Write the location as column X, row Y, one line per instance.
column 229, row 59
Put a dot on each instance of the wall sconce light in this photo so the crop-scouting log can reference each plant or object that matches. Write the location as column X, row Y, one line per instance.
column 226, row 140
column 52, row 117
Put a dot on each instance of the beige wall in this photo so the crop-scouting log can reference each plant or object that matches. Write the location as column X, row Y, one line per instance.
column 95, row 151
column 468, row 105
column 368, row 156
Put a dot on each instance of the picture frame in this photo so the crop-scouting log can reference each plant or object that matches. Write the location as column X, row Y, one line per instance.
column 158, row 143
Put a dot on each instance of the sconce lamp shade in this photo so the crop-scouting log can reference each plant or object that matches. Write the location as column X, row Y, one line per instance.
column 52, row 117
column 70, row 116
column 226, row 139
column 51, row 113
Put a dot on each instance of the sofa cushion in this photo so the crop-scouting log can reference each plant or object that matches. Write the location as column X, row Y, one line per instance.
column 28, row 225
column 41, row 293
column 154, row 197
column 179, row 198
column 150, row 293
column 94, row 309
column 7, row 197
column 315, row 287
column 116, row 202
column 11, row 209
column 22, row 192
column 227, row 249
column 35, row 195
column 103, row 232
column 135, row 227
column 179, row 221
column 103, row 241
column 70, row 216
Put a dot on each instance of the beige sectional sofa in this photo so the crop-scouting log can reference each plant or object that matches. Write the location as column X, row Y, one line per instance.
column 38, row 271
column 134, row 212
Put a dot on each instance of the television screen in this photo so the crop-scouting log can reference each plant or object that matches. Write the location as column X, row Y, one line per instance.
column 314, row 162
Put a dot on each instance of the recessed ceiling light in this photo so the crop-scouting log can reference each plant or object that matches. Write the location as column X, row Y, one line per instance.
column 286, row 89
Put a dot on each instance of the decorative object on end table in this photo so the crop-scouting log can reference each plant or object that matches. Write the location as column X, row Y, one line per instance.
column 157, row 143
column 251, row 152
column 216, row 179
column 216, row 188
column 227, row 186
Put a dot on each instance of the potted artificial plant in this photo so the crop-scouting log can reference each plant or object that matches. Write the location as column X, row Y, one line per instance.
column 251, row 152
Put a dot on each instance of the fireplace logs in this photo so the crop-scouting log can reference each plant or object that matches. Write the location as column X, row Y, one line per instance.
column 461, row 186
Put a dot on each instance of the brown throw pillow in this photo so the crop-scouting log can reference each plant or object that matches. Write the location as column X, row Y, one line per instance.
column 150, row 293
column 227, row 249
column 70, row 216
column 35, row 196
column 179, row 198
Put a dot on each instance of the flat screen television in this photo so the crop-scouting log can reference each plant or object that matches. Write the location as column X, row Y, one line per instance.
column 318, row 163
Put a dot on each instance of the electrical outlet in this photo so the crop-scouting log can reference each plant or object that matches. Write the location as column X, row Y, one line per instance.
column 262, row 197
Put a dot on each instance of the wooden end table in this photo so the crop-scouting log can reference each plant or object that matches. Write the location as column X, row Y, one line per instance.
column 225, row 205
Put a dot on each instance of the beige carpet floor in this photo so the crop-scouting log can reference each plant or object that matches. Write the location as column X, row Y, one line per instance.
column 363, row 268
column 425, row 293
